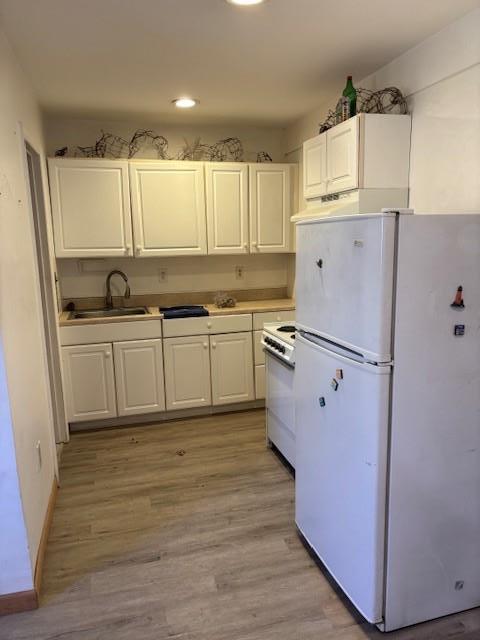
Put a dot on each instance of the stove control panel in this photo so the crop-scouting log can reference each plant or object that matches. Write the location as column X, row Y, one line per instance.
column 274, row 344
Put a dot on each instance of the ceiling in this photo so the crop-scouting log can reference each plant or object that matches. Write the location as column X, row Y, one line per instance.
column 267, row 64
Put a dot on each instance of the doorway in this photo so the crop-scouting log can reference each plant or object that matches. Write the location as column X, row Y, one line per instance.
column 48, row 290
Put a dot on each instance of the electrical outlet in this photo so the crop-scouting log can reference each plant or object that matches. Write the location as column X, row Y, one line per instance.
column 240, row 273
column 38, row 449
column 163, row 275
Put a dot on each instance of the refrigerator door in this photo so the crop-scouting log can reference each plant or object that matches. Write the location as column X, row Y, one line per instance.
column 344, row 281
column 341, row 452
column 433, row 560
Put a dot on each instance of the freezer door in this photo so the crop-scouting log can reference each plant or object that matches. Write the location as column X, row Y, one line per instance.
column 433, row 561
column 341, row 451
column 344, row 281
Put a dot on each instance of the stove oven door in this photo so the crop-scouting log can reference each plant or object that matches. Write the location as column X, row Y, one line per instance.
column 280, row 405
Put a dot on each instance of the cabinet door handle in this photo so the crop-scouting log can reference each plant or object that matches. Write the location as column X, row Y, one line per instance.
column 319, row 263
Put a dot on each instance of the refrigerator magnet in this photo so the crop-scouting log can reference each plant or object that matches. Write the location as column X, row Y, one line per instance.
column 458, row 302
column 459, row 330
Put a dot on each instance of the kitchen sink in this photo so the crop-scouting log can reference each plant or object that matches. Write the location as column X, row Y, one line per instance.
column 109, row 313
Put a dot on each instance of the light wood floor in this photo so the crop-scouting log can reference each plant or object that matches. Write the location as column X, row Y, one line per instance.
column 149, row 544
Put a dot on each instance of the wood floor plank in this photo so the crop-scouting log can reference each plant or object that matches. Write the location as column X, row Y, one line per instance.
column 185, row 531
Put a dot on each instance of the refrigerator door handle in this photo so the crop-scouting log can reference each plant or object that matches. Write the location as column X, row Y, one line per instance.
column 332, row 346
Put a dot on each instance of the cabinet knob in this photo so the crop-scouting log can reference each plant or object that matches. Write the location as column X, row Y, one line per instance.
column 138, row 248
column 319, row 263
column 107, row 354
column 214, row 345
column 128, row 249
column 205, row 345
column 209, row 325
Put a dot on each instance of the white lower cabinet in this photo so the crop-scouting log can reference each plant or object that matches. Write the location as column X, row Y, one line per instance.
column 89, row 381
column 260, row 382
column 232, row 368
column 187, row 372
column 137, row 372
column 139, row 377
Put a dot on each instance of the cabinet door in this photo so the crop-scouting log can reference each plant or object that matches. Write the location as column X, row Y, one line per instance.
column 270, row 207
column 232, row 367
column 342, row 156
column 315, row 166
column 90, row 207
column 260, row 384
column 168, row 208
column 89, row 382
column 227, row 207
column 187, row 372
column 139, row 377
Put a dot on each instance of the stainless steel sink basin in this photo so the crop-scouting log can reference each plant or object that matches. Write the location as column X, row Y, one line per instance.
column 110, row 313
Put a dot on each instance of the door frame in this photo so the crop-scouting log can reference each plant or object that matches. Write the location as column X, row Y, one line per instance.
column 46, row 281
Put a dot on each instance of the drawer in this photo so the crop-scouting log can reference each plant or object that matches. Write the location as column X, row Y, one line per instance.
column 206, row 324
column 259, row 319
column 260, row 382
column 110, row 332
column 258, row 352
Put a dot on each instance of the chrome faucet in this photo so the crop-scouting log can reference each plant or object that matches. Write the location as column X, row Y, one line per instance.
column 108, row 299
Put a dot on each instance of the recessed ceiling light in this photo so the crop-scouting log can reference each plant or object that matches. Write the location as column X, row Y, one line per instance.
column 245, row 3
column 185, row 103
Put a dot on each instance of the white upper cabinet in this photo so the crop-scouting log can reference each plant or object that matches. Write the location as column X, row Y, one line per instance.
column 90, row 207
column 227, row 207
column 168, row 208
column 342, row 156
column 139, row 377
column 175, row 208
column 270, row 207
column 315, row 166
column 89, row 382
column 232, row 368
column 369, row 151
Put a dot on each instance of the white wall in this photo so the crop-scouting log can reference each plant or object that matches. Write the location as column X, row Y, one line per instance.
column 71, row 132
column 441, row 77
column 25, row 405
column 185, row 273
column 15, row 567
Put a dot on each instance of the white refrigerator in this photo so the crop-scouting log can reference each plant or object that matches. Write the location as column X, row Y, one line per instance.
column 387, row 404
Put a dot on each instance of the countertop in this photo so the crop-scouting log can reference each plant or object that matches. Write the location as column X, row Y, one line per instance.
column 247, row 306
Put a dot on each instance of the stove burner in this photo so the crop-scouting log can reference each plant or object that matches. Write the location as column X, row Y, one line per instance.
column 287, row 328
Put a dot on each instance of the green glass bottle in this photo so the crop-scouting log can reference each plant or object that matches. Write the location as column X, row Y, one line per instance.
column 351, row 94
